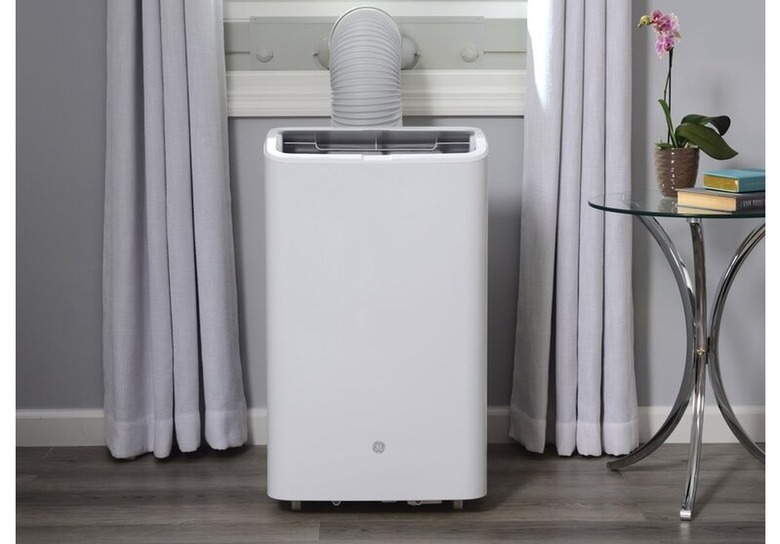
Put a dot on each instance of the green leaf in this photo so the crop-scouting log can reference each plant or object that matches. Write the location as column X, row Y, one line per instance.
column 706, row 139
column 721, row 122
column 669, row 126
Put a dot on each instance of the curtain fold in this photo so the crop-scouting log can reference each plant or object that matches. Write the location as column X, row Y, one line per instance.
column 574, row 340
column 172, row 368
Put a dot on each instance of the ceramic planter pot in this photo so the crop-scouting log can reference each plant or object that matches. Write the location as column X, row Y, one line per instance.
column 676, row 168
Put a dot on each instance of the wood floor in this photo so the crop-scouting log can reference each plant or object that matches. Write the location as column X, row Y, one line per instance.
column 82, row 495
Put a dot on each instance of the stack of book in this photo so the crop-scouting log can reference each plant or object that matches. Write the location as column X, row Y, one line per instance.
column 730, row 190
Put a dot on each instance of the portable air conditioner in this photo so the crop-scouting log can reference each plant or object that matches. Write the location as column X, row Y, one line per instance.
column 376, row 252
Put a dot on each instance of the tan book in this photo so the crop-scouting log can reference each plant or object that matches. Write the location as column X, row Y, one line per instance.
column 700, row 197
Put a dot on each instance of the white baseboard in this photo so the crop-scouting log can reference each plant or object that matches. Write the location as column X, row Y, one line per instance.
column 59, row 428
column 85, row 427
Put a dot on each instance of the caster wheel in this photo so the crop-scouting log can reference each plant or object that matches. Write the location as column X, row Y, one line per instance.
column 295, row 506
column 457, row 505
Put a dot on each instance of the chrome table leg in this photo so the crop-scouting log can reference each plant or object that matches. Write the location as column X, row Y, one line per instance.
column 717, row 311
column 685, row 287
column 700, row 375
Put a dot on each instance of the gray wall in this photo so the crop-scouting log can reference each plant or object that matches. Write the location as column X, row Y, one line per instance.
column 60, row 161
column 60, row 149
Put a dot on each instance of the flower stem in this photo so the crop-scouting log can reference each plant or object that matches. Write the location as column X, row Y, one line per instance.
column 668, row 95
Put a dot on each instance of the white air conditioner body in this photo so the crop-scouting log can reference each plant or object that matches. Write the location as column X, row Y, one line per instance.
column 376, row 254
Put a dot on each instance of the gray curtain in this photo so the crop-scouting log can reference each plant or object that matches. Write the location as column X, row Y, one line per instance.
column 574, row 366
column 172, row 369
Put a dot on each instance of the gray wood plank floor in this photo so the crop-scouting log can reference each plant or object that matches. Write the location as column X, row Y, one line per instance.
column 82, row 495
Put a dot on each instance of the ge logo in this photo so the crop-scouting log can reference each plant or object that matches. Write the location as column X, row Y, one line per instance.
column 378, row 447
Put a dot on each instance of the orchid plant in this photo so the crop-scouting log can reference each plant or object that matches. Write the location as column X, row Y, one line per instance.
column 693, row 130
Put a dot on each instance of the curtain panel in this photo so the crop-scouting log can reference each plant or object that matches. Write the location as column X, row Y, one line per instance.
column 172, row 369
column 574, row 365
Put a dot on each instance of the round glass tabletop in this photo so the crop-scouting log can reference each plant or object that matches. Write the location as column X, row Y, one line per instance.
column 659, row 206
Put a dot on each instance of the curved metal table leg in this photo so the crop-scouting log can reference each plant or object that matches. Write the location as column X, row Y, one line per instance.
column 717, row 311
column 685, row 287
column 700, row 374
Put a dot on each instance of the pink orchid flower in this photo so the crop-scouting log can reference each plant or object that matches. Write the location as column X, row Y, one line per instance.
column 667, row 28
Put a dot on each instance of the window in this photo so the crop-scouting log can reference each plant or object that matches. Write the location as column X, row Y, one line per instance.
column 472, row 60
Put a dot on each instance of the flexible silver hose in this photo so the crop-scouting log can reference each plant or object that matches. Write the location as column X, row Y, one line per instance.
column 365, row 69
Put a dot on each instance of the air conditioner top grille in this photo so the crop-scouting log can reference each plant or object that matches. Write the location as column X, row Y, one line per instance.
column 379, row 142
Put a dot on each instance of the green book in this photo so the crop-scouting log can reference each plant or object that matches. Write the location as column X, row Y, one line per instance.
column 735, row 180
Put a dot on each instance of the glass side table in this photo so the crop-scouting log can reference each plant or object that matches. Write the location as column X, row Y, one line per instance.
column 702, row 342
